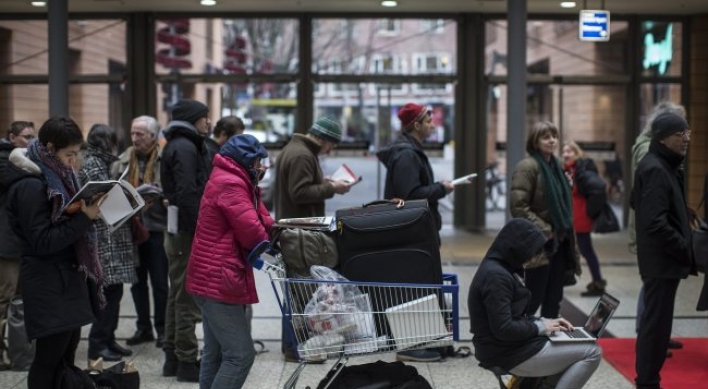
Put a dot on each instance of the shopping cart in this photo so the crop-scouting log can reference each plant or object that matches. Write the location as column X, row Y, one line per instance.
column 337, row 319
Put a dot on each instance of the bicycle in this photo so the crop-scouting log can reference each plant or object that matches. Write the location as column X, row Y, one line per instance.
column 495, row 188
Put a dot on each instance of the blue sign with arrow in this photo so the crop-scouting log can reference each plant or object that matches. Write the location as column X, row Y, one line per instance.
column 594, row 25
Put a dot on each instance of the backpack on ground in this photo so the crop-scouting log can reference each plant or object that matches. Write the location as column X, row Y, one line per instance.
column 379, row 374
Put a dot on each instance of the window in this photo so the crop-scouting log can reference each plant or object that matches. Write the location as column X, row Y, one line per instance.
column 389, row 27
column 431, row 63
column 436, row 26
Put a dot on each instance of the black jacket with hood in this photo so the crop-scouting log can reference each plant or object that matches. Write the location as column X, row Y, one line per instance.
column 11, row 246
column 503, row 335
column 409, row 175
column 184, row 170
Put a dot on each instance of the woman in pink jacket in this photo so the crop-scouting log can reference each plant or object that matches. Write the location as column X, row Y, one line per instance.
column 232, row 221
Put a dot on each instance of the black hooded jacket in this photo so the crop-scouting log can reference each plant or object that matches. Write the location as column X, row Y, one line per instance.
column 9, row 174
column 409, row 175
column 184, row 170
column 503, row 335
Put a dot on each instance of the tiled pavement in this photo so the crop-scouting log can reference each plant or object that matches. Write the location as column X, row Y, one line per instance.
column 461, row 254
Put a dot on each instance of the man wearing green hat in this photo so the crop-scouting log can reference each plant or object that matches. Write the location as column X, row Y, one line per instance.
column 300, row 186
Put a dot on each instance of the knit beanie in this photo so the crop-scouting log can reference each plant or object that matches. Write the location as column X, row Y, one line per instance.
column 189, row 111
column 410, row 114
column 667, row 124
column 327, row 128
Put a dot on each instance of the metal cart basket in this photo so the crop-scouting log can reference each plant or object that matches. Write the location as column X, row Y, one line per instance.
column 338, row 319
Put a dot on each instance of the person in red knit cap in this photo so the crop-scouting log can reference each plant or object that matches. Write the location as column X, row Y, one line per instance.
column 409, row 176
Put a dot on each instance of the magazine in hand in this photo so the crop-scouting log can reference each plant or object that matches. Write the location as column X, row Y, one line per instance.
column 345, row 173
column 120, row 203
column 464, row 179
column 324, row 223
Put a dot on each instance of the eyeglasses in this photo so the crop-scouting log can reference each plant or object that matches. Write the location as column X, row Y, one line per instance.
column 684, row 134
column 28, row 137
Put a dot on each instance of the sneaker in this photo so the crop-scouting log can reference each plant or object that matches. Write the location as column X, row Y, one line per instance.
column 188, row 371
column 169, row 369
column 418, row 356
column 675, row 344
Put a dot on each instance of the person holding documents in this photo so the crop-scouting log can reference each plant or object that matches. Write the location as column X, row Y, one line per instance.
column 505, row 335
column 116, row 251
column 409, row 176
column 142, row 160
column 232, row 221
column 60, row 271
column 301, row 188
column 184, row 170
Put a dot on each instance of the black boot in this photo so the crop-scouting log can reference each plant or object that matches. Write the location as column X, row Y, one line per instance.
column 595, row 289
column 169, row 369
column 188, row 371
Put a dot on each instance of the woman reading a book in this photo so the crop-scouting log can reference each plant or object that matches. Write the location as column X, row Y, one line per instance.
column 232, row 221
column 60, row 272
column 116, row 251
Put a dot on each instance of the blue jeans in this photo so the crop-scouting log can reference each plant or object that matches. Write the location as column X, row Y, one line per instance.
column 228, row 347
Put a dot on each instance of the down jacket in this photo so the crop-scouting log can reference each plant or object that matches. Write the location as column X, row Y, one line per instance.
column 503, row 335
column 232, row 221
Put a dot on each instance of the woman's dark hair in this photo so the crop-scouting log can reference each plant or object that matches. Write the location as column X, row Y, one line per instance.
column 17, row 127
column 102, row 137
column 231, row 125
column 61, row 132
column 538, row 131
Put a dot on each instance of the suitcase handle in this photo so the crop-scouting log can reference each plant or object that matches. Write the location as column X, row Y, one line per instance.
column 400, row 203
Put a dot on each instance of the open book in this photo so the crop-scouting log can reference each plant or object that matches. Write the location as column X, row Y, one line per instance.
column 345, row 173
column 464, row 179
column 120, row 203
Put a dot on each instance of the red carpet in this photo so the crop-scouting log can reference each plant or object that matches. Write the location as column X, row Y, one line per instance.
column 687, row 369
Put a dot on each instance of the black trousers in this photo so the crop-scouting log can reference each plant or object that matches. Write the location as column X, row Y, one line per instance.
column 153, row 264
column 546, row 284
column 103, row 330
column 654, row 330
column 53, row 352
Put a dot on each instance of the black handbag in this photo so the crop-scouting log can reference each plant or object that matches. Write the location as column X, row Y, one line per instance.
column 115, row 377
column 699, row 240
column 606, row 221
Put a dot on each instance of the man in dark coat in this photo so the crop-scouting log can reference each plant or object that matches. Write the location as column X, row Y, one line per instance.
column 301, row 188
column 663, row 240
column 409, row 175
column 184, row 170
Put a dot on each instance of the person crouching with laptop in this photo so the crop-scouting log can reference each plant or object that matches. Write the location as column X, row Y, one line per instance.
column 504, row 336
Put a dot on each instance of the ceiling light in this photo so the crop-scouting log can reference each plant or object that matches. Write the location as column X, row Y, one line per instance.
column 208, row 3
column 38, row 3
column 389, row 3
column 568, row 4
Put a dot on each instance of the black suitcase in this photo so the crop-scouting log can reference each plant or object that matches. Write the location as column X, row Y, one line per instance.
column 389, row 241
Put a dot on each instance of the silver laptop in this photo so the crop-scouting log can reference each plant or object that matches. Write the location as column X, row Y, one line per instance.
column 419, row 322
column 594, row 326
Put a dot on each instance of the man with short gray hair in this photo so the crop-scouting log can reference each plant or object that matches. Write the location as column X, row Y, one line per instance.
column 142, row 160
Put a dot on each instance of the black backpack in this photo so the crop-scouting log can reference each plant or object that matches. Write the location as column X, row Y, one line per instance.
column 379, row 375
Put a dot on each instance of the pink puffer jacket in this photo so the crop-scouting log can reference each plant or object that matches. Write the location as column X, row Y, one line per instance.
column 228, row 227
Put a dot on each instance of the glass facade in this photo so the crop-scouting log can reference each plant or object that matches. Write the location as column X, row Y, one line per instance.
column 362, row 70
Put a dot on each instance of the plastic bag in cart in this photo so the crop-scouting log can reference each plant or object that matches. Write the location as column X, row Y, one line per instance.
column 339, row 307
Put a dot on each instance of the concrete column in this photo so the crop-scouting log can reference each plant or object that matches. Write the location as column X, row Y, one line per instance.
column 516, row 101
column 58, row 58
